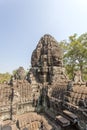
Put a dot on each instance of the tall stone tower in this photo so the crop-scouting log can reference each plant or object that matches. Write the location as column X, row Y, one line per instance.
column 47, row 66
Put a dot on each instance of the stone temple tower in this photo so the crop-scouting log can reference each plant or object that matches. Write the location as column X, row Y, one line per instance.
column 47, row 69
column 46, row 55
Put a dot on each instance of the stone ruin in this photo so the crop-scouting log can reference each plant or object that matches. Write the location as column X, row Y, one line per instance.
column 44, row 99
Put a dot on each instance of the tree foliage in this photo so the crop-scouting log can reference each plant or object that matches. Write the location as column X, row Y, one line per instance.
column 5, row 77
column 75, row 54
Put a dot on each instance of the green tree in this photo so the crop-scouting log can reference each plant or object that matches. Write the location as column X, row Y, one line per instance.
column 75, row 54
column 4, row 77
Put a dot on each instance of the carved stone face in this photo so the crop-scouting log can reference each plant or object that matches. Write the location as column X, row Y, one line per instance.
column 48, row 49
column 16, row 97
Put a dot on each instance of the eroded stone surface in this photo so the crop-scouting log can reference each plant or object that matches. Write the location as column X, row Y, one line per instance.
column 46, row 88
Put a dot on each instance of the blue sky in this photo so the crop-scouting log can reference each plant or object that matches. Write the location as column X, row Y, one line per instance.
column 23, row 22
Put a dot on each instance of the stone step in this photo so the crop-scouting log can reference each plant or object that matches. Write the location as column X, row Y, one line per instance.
column 62, row 121
column 71, row 116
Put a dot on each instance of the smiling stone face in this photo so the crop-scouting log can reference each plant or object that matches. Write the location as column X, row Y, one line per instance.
column 49, row 48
